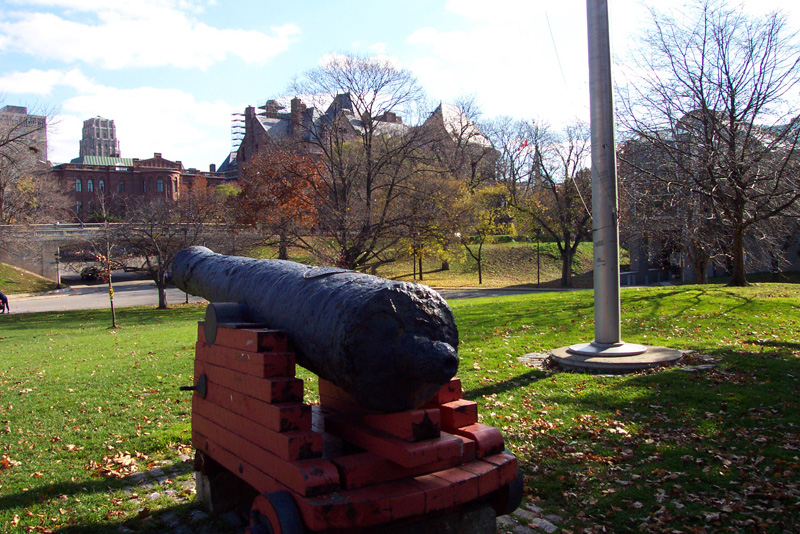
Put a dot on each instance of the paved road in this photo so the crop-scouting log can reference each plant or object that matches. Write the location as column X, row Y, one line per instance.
column 139, row 292
column 85, row 297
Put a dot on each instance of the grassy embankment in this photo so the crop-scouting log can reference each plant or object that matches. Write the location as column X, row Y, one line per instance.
column 504, row 265
column 14, row 280
column 84, row 408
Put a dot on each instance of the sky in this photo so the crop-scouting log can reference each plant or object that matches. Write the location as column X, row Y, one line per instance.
column 171, row 73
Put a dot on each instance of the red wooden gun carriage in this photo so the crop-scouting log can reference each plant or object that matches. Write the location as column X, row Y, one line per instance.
column 342, row 465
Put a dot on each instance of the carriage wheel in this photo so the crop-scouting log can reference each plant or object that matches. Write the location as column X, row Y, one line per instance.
column 275, row 513
column 508, row 498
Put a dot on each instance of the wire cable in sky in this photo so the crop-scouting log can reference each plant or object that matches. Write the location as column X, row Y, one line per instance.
column 555, row 49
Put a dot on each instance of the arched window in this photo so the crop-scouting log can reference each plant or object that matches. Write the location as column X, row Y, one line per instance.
column 78, row 206
column 160, row 185
column 77, row 185
column 122, row 186
column 90, row 186
column 101, row 185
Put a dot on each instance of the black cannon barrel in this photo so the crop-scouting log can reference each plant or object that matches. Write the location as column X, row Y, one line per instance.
column 391, row 345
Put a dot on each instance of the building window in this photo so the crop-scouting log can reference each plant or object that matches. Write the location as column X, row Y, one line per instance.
column 78, row 206
column 101, row 185
column 160, row 186
column 144, row 186
column 90, row 186
column 78, row 185
column 122, row 186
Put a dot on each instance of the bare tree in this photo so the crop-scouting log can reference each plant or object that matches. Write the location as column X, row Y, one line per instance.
column 158, row 229
column 457, row 145
column 714, row 95
column 669, row 219
column 106, row 248
column 546, row 175
column 366, row 153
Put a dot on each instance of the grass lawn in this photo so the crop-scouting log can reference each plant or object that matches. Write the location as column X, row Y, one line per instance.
column 85, row 410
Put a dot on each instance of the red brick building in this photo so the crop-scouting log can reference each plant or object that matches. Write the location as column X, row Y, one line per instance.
column 92, row 180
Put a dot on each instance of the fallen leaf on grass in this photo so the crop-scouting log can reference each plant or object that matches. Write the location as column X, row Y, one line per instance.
column 117, row 466
column 7, row 463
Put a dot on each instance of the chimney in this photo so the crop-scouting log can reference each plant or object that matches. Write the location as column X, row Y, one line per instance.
column 296, row 117
column 212, row 168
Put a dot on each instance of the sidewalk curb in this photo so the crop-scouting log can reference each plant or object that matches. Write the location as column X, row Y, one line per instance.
column 65, row 291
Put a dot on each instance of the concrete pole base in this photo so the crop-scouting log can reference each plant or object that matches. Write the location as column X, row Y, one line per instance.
column 618, row 358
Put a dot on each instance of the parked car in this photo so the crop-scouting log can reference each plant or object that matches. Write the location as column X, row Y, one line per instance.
column 93, row 272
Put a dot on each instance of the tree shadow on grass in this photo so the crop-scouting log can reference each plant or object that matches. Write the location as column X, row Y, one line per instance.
column 790, row 345
column 654, row 302
column 506, row 385
column 166, row 519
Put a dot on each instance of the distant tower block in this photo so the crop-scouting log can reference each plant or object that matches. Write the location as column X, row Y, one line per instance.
column 99, row 138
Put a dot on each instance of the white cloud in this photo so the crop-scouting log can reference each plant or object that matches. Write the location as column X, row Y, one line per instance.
column 151, row 33
column 42, row 82
column 378, row 48
column 122, row 5
column 151, row 120
column 148, row 120
column 523, row 58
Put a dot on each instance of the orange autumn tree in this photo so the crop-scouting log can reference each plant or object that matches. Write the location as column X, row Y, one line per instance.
column 278, row 187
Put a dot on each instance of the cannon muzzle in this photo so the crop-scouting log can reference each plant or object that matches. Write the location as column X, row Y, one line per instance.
column 391, row 345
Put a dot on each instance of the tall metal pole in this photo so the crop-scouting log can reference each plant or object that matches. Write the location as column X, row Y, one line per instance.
column 604, row 177
column 605, row 230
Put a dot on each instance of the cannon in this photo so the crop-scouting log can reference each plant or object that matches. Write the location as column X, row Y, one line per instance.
column 391, row 444
column 391, row 345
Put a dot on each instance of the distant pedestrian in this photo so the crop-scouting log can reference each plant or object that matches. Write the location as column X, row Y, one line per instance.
column 4, row 304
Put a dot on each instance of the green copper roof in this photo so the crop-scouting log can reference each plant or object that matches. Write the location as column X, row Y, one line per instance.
column 103, row 161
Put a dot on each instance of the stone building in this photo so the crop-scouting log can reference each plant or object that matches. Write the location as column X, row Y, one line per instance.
column 459, row 145
column 666, row 228
column 21, row 128
column 99, row 138
column 92, row 180
column 273, row 123
column 457, row 142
